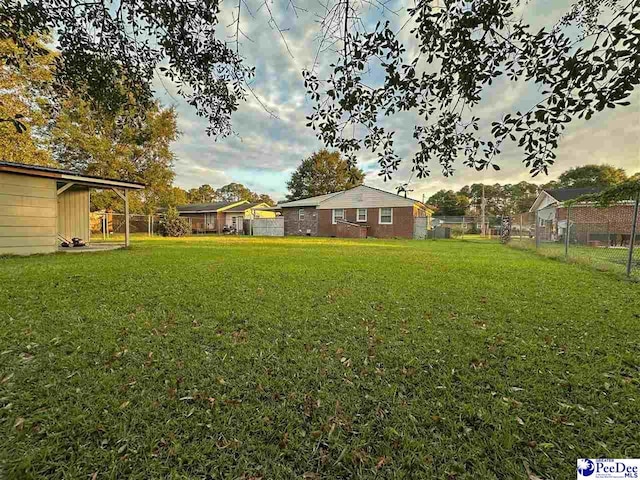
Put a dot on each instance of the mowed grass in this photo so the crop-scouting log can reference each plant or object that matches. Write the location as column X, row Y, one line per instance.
column 221, row 357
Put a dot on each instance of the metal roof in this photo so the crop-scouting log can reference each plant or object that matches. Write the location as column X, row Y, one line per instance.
column 68, row 175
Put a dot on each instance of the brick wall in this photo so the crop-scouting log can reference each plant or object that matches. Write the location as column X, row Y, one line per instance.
column 294, row 226
column 402, row 223
column 591, row 223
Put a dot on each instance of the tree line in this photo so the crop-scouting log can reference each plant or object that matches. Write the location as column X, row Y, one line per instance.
column 231, row 192
column 511, row 199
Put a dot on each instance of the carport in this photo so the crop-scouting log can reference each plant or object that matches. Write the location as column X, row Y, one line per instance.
column 40, row 206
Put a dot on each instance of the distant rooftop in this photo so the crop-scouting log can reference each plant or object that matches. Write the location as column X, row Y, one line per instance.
column 205, row 207
column 244, row 206
column 564, row 194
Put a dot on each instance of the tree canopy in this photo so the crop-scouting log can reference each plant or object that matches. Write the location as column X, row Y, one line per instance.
column 580, row 64
column 109, row 52
column 228, row 193
column 447, row 202
column 323, row 172
column 601, row 176
column 25, row 91
column 111, row 145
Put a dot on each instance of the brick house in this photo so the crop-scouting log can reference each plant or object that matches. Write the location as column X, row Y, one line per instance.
column 590, row 224
column 359, row 212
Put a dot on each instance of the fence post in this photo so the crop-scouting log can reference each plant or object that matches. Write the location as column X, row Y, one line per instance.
column 567, row 232
column 521, row 227
column 632, row 240
column 537, row 231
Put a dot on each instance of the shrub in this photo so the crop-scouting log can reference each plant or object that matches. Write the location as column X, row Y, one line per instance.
column 173, row 225
column 457, row 232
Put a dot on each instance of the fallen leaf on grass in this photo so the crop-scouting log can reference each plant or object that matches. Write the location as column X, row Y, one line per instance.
column 6, row 379
column 124, row 405
column 26, row 357
column 19, row 425
column 530, row 474
column 284, row 441
column 311, row 476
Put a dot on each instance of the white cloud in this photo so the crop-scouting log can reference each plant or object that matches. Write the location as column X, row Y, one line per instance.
column 266, row 150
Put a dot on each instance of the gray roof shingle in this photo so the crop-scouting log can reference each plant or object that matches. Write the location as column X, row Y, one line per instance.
column 564, row 194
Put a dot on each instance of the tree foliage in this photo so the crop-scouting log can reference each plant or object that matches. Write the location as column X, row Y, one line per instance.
column 580, row 65
column 228, row 193
column 321, row 173
column 173, row 225
column 500, row 199
column 25, row 105
column 112, row 145
column 629, row 189
column 110, row 52
column 600, row 176
column 447, row 202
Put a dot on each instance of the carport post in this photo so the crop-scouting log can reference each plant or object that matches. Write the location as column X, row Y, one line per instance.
column 126, row 217
column 632, row 240
column 566, row 233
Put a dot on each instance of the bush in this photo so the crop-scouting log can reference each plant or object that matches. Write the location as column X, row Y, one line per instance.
column 457, row 232
column 173, row 225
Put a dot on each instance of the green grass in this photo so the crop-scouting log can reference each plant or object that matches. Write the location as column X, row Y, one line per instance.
column 234, row 357
column 601, row 258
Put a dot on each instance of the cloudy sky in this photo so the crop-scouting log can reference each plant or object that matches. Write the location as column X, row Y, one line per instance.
column 266, row 150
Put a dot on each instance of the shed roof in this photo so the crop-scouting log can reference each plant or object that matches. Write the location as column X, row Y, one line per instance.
column 67, row 176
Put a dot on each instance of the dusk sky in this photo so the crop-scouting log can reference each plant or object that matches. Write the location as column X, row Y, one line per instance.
column 267, row 150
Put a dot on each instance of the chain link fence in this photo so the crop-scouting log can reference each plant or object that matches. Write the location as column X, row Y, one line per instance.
column 110, row 227
column 604, row 237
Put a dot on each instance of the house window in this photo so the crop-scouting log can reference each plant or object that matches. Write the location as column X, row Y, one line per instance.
column 300, row 214
column 362, row 215
column 386, row 216
column 337, row 214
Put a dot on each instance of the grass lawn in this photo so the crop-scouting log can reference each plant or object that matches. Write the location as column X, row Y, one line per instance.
column 224, row 357
column 613, row 259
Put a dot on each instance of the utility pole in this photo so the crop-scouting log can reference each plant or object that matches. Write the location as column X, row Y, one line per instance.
column 483, row 230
